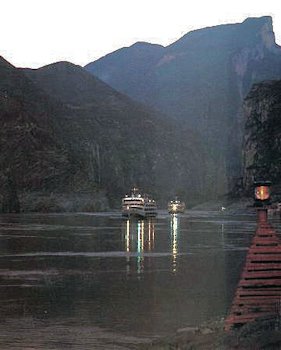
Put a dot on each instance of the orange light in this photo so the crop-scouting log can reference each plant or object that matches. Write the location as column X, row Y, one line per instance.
column 262, row 193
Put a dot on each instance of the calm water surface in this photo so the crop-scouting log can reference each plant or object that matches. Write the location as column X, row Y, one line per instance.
column 97, row 281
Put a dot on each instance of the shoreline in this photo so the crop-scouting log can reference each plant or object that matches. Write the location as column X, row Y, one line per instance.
column 42, row 202
column 264, row 333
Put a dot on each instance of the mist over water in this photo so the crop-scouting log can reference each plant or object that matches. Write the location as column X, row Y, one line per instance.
column 83, row 280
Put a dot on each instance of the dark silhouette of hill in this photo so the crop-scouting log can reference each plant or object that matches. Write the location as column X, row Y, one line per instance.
column 31, row 155
column 65, row 131
column 130, row 142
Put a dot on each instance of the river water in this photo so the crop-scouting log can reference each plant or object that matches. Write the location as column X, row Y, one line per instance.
column 97, row 281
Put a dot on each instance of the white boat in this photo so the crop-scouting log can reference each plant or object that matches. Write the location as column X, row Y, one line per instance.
column 137, row 204
column 176, row 206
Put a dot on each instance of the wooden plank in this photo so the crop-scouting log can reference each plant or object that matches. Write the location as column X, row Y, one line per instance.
column 247, row 309
column 256, row 300
column 248, row 317
column 260, row 292
column 265, row 250
column 276, row 258
column 250, row 266
column 261, row 274
column 274, row 282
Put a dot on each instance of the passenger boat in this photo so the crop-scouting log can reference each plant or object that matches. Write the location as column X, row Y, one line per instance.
column 176, row 206
column 137, row 204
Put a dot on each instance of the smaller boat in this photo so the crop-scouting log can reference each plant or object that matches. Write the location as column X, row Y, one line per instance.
column 137, row 204
column 176, row 206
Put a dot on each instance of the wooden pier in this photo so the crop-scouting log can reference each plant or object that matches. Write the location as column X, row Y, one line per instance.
column 258, row 292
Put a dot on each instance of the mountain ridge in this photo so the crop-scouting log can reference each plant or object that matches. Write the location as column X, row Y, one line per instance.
column 201, row 81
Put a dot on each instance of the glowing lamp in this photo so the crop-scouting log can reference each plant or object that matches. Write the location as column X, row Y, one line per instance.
column 262, row 192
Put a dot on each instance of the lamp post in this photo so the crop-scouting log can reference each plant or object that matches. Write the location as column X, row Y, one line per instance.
column 262, row 193
column 262, row 198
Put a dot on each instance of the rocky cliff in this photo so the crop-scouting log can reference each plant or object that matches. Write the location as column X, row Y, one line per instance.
column 32, row 157
column 262, row 142
column 201, row 80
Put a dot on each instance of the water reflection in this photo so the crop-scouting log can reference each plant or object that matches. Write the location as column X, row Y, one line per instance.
column 93, row 272
column 140, row 246
column 139, row 238
column 174, row 240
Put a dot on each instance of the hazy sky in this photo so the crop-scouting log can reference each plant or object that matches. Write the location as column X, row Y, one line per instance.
column 39, row 32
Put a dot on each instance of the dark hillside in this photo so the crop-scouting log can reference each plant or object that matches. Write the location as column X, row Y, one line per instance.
column 262, row 143
column 31, row 157
column 65, row 134
column 126, row 142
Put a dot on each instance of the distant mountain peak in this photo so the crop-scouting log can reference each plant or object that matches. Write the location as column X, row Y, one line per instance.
column 61, row 65
column 5, row 63
column 144, row 44
column 260, row 20
column 263, row 26
column 69, row 82
column 252, row 31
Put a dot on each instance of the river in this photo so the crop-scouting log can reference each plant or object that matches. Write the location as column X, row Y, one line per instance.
column 98, row 281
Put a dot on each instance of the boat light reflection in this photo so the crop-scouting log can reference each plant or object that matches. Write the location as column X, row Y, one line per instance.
column 127, row 236
column 174, row 240
column 139, row 237
column 140, row 246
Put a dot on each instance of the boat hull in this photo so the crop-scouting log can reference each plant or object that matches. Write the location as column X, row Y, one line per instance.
column 138, row 213
column 176, row 211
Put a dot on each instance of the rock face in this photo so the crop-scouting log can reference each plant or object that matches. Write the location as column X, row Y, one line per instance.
column 262, row 142
column 63, row 133
column 31, row 156
column 200, row 80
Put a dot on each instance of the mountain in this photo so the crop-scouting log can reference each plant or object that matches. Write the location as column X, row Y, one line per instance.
column 200, row 80
column 73, row 143
column 31, row 155
column 125, row 142
column 125, row 68
column 262, row 146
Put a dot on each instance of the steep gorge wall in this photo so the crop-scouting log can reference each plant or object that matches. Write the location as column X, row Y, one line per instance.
column 262, row 139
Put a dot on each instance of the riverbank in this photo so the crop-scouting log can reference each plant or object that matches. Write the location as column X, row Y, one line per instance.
column 226, row 204
column 208, row 336
column 45, row 202
column 63, row 202
column 264, row 334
